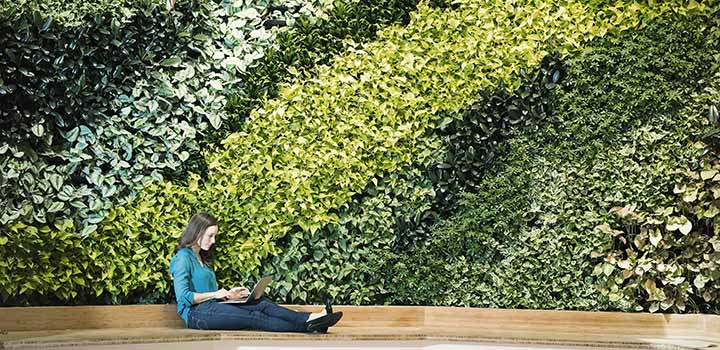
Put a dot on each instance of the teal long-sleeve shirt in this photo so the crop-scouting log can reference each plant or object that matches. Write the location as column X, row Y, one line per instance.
column 190, row 277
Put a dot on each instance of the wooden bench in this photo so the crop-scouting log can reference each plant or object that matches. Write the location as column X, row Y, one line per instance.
column 58, row 327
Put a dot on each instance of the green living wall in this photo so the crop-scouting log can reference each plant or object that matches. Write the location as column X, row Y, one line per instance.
column 625, row 118
column 287, row 51
column 101, row 98
column 448, row 148
column 530, row 232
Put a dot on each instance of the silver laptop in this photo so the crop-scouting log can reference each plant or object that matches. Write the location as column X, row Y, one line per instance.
column 256, row 293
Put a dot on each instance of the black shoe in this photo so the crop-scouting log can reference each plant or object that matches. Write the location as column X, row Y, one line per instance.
column 321, row 324
column 328, row 310
column 328, row 305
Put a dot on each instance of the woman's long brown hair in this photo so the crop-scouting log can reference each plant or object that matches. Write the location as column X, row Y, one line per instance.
column 195, row 228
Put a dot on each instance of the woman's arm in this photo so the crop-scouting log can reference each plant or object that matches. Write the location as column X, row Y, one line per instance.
column 200, row 297
column 180, row 271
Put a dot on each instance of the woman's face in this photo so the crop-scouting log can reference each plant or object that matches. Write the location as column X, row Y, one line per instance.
column 208, row 238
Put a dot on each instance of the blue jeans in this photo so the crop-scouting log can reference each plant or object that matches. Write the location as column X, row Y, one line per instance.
column 263, row 315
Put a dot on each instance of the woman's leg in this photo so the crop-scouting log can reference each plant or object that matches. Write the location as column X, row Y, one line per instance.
column 269, row 308
column 218, row 316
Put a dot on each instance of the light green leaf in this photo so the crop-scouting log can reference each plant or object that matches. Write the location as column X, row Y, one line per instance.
column 173, row 61
column 699, row 281
column 56, row 181
column 686, row 227
column 214, row 120
column 88, row 230
column 711, row 212
column 94, row 219
column 248, row 13
column 216, row 84
column 152, row 106
column 232, row 61
column 55, row 207
column 708, row 174
column 38, row 130
column 655, row 237
column 72, row 135
column 608, row 269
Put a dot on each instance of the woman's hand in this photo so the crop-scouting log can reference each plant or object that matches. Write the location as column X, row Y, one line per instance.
column 239, row 292
column 223, row 293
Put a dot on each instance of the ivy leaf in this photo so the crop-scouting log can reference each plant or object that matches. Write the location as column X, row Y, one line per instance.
column 216, row 84
column 655, row 237
column 672, row 226
column 708, row 174
column 234, row 61
column 249, row 12
column 711, row 212
column 608, row 269
column 55, row 207
column 173, row 61
column 654, row 307
column 38, row 130
column 88, row 230
column 56, row 181
column 686, row 227
column 679, row 188
column 699, row 281
column 72, row 135
column 318, row 255
column 214, row 119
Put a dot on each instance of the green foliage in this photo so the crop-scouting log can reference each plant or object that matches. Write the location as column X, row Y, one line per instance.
column 525, row 238
column 93, row 112
column 126, row 262
column 72, row 13
column 310, row 43
column 471, row 139
column 667, row 258
column 130, row 250
column 303, row 157
column 305, row 154
column 362, row 256
column 401, row 208
column 345, row 260
column 61, row 137
column 29, row 268
column 712, row 136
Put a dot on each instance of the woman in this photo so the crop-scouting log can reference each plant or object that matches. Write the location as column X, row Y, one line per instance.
column 197, row 292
